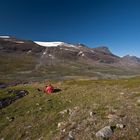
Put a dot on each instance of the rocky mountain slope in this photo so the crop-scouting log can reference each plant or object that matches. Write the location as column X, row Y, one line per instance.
column 130, row 61
column 12, row 44
column 58, row 50
column 77, row 52
column 54, row 51
column 20, row 56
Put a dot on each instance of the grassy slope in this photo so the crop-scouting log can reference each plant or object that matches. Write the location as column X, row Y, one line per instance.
column 12, row 63
column 18, row 66
column 37, row 115
column 21, row 66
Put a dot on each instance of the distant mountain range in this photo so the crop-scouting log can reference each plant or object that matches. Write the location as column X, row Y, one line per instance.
column 52, row 54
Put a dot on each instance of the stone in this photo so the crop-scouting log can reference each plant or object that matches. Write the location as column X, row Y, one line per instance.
column 61, row 124
column 40, row 108
column 76, row 108
column 64, row 111
column 70, row 136
column 28, row 112
column 10, row 119
column 92, row 113
column 37, row 104
column 29, row 126
column 7, row 118
column 121, row 126
column 122, row 93
column 105, row 133
column 137, row 130
column 64, row 130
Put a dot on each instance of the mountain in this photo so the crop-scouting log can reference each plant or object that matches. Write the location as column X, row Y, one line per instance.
column 76, row 52
column 131, row 63
column 131, row 60
column 25, row 58
column 12, row 44
column 58, row 51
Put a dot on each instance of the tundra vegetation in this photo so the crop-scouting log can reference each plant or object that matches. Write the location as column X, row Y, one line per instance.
column 80, row 109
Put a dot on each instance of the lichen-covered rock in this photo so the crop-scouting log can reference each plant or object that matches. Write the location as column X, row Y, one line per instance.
column 70, row 136
column 119, row 125
column 105, row 133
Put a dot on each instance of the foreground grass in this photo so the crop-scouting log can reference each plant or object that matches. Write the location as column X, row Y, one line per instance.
column 36, row 116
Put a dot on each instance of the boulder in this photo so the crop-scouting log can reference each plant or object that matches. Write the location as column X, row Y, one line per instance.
column 105, row 133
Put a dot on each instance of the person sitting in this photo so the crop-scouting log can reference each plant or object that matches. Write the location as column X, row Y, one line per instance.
column 49, row 89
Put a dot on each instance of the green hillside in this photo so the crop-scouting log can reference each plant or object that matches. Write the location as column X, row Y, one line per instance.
column 82, row 106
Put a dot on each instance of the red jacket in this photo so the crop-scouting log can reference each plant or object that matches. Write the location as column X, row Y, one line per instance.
column 49, row 89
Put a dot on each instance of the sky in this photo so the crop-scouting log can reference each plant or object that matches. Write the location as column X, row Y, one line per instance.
column 111, row 23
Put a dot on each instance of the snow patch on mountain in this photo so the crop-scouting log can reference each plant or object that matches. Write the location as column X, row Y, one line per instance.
column 55, row 44
column 69, row 45
column 44, row 53
column 92, row 51
column 81, row 53
column 19, row 42
column 68, row 49
column 4, row 36
column 48, row 44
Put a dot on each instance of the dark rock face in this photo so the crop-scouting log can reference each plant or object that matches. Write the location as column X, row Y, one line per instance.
column 133, row 59
column 18, row 94
column 102, row 49
column 77, row 53
column 104, row 55
column 13, row 44
column 130, row 61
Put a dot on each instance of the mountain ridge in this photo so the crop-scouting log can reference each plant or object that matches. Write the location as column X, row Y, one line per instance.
column 61, row 58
